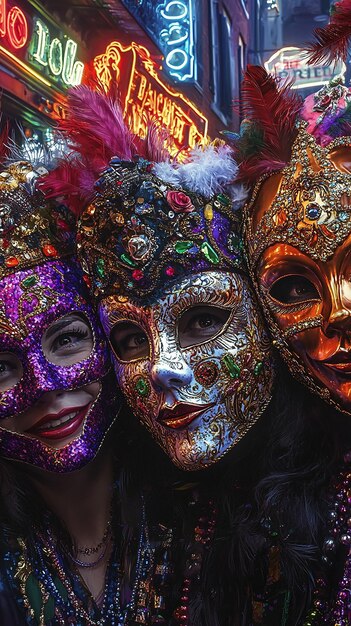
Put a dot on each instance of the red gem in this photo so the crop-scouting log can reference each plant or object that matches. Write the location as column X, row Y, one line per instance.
column 87, row 280
column 5, row 243
column 206, row 373
column 170, row 271
column 137, row 275
column 12, row 261
column 119, row 182
column 49, row 250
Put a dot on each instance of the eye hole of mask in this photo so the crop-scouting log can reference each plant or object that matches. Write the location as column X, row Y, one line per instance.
column 293, row 289
column 200, row 324
column 129, row 341
column 68, row 340
column 11, row 371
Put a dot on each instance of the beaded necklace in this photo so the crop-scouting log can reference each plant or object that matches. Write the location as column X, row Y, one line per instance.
column 336, row 546
column 63, row 591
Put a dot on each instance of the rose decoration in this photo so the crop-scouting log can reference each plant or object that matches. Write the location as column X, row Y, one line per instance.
column 140, row 247
column 179, row 202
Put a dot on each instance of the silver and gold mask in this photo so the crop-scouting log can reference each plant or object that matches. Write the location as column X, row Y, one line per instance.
column 194, row 363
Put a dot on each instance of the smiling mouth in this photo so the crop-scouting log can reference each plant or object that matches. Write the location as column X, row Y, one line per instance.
column 61, row 425
column 340, row 363
column 182, row 414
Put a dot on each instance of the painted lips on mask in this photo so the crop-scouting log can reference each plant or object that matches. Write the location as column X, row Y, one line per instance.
column 182, row 414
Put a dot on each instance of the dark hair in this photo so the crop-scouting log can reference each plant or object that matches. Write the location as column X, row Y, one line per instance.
column 285, row 476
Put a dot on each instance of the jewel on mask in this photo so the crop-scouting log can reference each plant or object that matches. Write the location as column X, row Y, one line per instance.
column 206, row 373
column 137, row 275
column 49, row 250
column 231, row 366
column 11, row 261
column 258, row 368
column 170, row 271
column 127, row 260
column 29, row 282
column 100, row 268
column 209, row 253
column 142, row 387
column 140, row 247
column 183, row 246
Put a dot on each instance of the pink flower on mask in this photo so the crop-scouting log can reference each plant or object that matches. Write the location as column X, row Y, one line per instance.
column 179, row 202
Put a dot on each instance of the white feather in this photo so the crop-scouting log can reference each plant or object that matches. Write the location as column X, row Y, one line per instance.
column 167, row 172
column 208, row 171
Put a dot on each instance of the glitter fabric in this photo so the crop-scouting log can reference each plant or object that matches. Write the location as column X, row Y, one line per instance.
column 54, row 290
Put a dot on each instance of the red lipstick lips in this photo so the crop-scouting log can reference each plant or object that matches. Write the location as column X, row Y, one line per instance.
column 60, row 425
column 182, row 414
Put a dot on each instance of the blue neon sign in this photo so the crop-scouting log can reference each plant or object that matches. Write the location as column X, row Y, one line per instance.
column 171, row 25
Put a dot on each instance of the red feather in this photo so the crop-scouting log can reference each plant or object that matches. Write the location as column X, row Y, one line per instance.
column 273, row 109
column 332, row 42
column 72, row 180
column 95, row 126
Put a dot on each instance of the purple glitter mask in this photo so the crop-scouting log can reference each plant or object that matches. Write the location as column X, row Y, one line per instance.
column 30, row 301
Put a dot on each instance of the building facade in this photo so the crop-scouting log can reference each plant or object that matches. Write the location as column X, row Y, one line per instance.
column 180, row 61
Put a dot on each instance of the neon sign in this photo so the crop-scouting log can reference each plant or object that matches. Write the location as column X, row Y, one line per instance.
column 146, row 96
column 171, row 25
column 13, row 25
column 291, row 63
column 56, row 55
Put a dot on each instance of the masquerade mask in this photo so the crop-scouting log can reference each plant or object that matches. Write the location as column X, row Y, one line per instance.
column 152, row 228
column 195, row 364
column 36, row 303
column 157, row 255
column 298, row 240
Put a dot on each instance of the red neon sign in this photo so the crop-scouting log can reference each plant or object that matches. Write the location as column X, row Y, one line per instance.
column 146, row 96
column 14, row 25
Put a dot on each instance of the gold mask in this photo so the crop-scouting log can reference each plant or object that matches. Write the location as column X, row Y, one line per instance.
column 298, row 242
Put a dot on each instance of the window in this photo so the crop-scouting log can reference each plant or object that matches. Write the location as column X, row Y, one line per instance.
column 222, row 61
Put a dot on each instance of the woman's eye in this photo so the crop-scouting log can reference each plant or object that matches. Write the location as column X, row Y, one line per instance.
column 200, row 324
column 293, row 289
column 68, row 340
column 11, row 371
column 129, row 341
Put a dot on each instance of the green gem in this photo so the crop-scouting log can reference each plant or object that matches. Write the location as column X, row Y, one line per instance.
column 127, row 260
column 100, row 268
column 30, row 281
column 224, row 199
column 209, row 253
column 232, row 367
column 258, row 368
column 142, row 387
column 183, row 246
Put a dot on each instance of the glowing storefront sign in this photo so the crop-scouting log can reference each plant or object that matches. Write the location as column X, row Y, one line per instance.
column 13, row 25
column 146, row 96
column 56, row 55
column 44, row 53
column 291, row 63
column 171, row 25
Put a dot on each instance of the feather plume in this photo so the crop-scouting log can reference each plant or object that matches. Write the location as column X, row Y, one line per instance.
column 338, row 125
column 95, row 126
column 272, row 109
column 207, row 171
column 72, row 180
column 332, row 41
